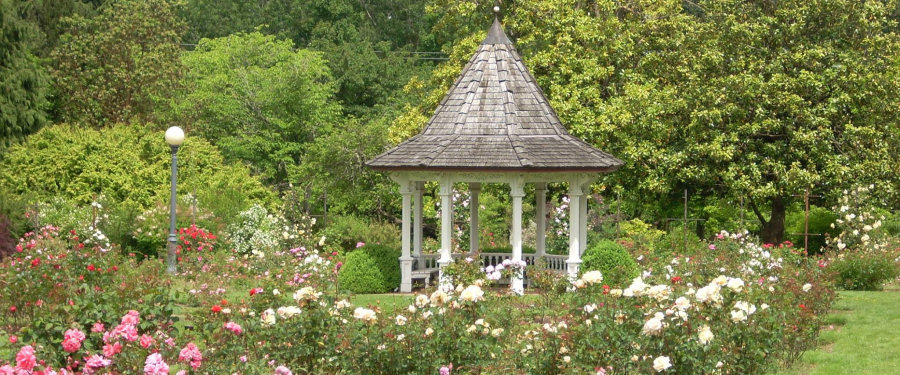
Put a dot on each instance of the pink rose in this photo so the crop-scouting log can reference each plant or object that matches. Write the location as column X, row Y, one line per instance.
column 25, row 358
column 146, row 341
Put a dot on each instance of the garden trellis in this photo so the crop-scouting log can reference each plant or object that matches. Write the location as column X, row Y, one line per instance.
column 493, row 126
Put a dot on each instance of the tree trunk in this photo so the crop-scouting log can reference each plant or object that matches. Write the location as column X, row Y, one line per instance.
column 773, row 230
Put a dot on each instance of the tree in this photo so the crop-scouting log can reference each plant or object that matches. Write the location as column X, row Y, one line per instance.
column 366, row 44
column 48, row 16
column 116, row 67
column 25, row 84
column 259, row 100
column 759, row 99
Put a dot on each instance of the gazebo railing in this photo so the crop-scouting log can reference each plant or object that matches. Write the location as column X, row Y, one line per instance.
column 552, row 262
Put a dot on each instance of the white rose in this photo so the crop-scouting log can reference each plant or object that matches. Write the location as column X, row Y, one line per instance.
column 268, row 317
column 807, row 287
column 660, row 364
column 738, row 316
column 364, row 314
column 652, row 326
column 472, row 293
column 592, row 277
column 683, row 303
column 705, row 335
column 428, row 331
column 736, row 284
column 400, row 320
column 421, row 300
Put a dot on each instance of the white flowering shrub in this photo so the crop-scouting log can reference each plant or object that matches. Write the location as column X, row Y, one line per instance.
column 258, row 232
column 860, row 226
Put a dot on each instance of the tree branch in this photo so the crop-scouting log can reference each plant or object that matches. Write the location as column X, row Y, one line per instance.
column 756, row 211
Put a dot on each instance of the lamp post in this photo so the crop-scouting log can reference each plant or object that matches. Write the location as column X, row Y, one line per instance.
column 174, row 137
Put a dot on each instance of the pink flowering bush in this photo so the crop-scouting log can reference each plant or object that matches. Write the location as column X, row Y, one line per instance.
column 58, row 288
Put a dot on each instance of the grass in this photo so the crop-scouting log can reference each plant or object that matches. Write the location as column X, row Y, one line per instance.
column 864, row 338
column 385, row 302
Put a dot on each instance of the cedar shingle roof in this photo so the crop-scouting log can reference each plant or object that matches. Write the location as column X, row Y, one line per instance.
column 495, row 117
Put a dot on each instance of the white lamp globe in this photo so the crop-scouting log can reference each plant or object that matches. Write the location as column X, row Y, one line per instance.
column 174, row 136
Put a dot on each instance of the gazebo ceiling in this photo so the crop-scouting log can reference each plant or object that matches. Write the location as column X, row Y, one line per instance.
column 496, row 118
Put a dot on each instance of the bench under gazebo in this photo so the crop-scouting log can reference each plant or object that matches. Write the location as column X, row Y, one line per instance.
column 494, row 126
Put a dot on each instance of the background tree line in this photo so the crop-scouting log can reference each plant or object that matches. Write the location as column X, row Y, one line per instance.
column 729, row 99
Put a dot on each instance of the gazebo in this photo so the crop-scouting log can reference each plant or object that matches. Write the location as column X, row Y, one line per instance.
column 494, row 126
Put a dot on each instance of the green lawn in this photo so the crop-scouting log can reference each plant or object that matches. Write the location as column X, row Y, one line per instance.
column 865, row 338
column 385, row 302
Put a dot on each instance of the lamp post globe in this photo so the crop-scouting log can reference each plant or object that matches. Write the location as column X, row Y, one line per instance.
column 175, row 138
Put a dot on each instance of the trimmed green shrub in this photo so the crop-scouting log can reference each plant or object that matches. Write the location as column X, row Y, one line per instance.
column 857, row 271
column 387, row 260
column 361, row 274
column 610, row 258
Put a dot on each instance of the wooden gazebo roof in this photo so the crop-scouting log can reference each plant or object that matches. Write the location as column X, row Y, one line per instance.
column 495, row 117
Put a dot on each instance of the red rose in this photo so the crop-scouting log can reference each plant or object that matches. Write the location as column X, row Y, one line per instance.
column 91, row 267
column 216, row 308
column 12, row 309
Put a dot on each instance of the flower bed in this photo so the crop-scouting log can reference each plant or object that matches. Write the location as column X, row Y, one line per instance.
column 731, row 307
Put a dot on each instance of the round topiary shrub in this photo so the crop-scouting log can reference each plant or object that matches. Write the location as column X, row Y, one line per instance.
column 387, row 260
column 612, row 260
column 371, row 269
column 360, row 274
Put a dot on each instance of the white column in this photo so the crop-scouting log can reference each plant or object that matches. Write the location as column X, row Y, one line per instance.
column 474, row 191
column 540, row 218
column 417, row 215
column 405, row 259
column 517, row 193
column 446, row 193
column 574, row 260
column 582, row 220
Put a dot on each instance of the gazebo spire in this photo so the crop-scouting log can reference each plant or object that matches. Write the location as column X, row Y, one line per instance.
column 496, row 35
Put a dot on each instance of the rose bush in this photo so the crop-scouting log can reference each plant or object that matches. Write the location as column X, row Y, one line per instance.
column 730, row 306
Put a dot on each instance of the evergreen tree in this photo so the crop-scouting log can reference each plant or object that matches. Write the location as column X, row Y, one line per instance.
column 24, row 86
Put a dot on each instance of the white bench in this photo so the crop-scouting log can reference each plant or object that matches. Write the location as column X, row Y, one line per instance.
column 425, row 274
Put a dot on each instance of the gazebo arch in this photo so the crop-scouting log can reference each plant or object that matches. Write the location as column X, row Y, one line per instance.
column 494, row 126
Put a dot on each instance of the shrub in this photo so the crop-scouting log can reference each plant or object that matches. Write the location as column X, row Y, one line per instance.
column 820, row 221
column 7, row 239
column 360, row 274
column 611, row 259
column 347, row 231
column 860, row 271
column 387, row 260
column 124, row 163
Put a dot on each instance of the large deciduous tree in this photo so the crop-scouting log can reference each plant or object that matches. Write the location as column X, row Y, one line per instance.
column 117, row 67
column 752, row 98
column 259, row 100
column 24, row 85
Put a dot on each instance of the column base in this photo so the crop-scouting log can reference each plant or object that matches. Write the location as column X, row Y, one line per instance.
column 406, row 274
column 572, row 266
column 517, row 285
